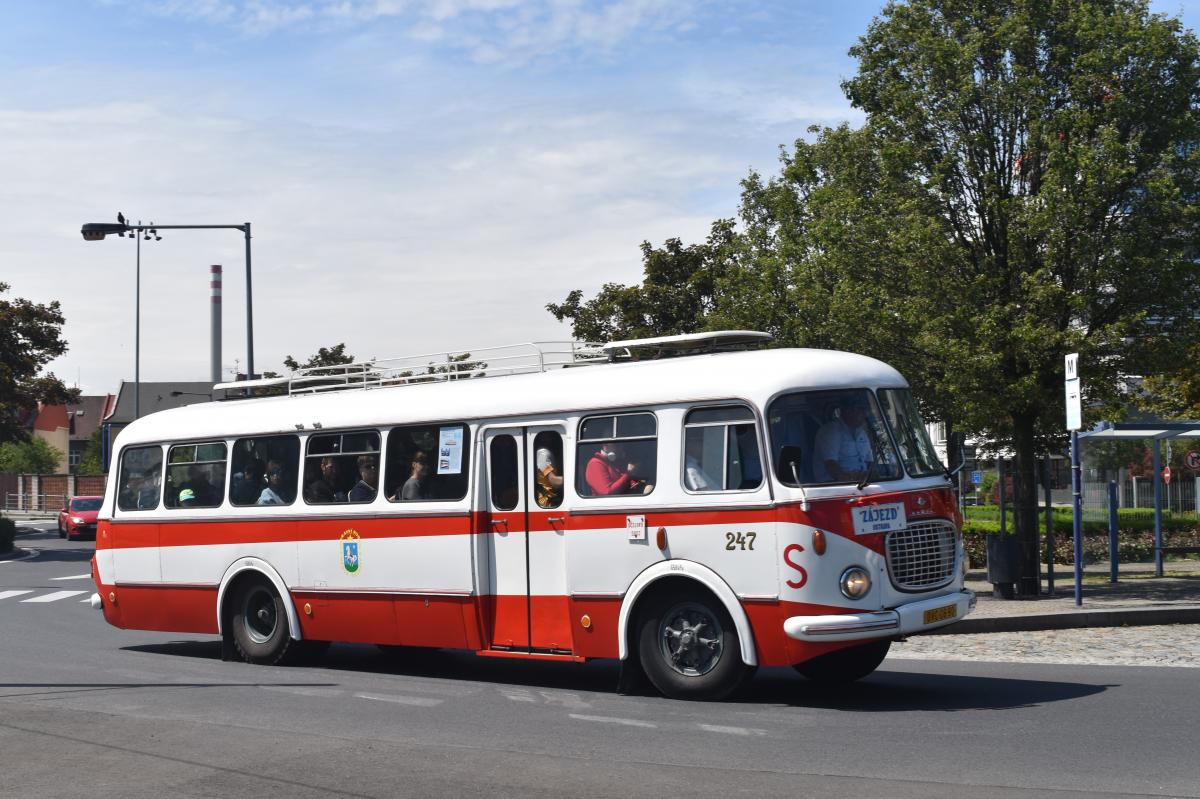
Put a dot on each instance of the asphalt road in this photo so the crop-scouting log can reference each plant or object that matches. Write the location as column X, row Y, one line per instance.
column 87, row 710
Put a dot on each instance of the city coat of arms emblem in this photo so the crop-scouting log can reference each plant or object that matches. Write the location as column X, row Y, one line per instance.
column 350, row 554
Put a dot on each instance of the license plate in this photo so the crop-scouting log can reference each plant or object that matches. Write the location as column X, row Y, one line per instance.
column 941, row 614
column 879, row 518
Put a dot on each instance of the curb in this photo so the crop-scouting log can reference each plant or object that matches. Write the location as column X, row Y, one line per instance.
column 1132, row 617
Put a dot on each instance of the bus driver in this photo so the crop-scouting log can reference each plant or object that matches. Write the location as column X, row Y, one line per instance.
column 842, row 447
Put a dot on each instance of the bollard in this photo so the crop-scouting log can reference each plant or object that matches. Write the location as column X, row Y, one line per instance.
column 1113, row 554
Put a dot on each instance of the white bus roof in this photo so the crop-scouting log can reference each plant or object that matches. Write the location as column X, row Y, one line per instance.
column 756, row 376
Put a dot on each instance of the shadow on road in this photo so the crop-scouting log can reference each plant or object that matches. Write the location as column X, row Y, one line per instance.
column 884, row 690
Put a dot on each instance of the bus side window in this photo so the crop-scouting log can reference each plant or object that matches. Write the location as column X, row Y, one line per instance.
column 141, row 476
column 547, row 469
column 196, row 475
column 335, row 464
column 720, row 450
column 617, row 454
column 503, row 475
column 428, row 462
column 264, row 470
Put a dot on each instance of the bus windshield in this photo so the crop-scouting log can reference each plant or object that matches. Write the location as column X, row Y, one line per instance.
column 831, row 437
column 916, row 450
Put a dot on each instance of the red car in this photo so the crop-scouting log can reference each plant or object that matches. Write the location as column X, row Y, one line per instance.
column 77, row 519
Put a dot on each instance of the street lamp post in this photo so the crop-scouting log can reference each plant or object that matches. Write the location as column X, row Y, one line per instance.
column 96, row 231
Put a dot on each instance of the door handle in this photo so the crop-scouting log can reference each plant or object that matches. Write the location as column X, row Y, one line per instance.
column 556, row 519
column 496, row 522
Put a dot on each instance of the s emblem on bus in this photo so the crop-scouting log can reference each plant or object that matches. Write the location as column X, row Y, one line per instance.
column 350, row 561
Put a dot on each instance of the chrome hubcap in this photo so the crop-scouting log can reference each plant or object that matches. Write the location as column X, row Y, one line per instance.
column 691, row 639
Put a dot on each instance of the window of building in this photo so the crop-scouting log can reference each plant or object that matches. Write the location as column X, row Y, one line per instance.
column 265, row 470
column 617, row 454
column 140, row 478
column 428, row 463
column 720, row 450
column 195, row 475
column 74, row 457
column 335, row 466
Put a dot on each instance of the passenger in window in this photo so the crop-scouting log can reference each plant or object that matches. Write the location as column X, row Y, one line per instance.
column 147, row 496
column 274, row 493
column 368, row 474
column 548, row 478
column 198, row 492
column 414, row 487
column 248, row 485
column 695, row 477
column 605, row 479
column 842, row 447
column 324, row 488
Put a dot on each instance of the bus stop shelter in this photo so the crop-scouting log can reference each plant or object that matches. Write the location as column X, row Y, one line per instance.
column 1156, row 433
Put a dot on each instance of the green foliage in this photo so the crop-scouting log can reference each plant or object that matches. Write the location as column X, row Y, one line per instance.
column 8, row 532
column 1023, row 188
column 91, row 461
column 677, row 292
column 331, row 356
column 30, row 337
column 1133, row 546
column 986, row 519
column 32, row 456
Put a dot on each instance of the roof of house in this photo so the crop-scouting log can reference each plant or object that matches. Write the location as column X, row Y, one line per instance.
column 87, row 413
column 157, row 396
column 51, row 417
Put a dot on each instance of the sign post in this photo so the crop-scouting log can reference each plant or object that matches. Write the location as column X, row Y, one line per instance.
column 1074, row 422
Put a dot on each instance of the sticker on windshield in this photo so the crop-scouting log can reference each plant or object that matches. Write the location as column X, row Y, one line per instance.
column 870, row 519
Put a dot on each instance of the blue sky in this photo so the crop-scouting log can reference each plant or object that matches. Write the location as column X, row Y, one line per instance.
column 420, row 176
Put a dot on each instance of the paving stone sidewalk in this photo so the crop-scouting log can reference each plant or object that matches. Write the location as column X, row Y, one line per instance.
column 1141, row 620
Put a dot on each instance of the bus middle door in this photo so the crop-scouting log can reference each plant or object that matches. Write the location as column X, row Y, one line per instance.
column 506, row 604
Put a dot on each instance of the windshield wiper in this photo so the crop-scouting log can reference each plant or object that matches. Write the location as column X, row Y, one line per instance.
column 870, row 467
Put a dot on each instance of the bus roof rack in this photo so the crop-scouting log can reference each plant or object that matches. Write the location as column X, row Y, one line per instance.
column 686, row 344
column 511, row 359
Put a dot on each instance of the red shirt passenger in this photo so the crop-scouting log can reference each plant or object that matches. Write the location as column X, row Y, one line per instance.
column 603, row 478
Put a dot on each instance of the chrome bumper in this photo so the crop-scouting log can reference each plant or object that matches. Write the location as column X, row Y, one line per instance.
column 905, row 620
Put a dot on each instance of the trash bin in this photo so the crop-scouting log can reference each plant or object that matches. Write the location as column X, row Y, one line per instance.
column 1003, row 563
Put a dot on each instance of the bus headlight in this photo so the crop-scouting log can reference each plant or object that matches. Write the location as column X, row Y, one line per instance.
column 855, row 582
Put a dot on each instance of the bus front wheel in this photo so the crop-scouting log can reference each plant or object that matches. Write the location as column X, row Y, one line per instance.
column 845, row 665
column 688, row 646
column 259, row 623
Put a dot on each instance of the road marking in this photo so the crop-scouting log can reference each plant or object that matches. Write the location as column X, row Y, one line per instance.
column 57, row 595
column 417, row 701
column 74, row 577
column 731, row 730
column 7, row 594
column 612, row 720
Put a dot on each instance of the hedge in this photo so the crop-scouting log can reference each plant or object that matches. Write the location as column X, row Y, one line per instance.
column 8, row 531
column 986, row 519
column 1133, row 546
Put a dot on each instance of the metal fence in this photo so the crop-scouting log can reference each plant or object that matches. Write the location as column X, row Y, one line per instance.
column 20, row 501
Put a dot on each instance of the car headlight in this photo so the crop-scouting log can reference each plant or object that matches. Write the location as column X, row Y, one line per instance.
column 855, row 582
column 77, row 520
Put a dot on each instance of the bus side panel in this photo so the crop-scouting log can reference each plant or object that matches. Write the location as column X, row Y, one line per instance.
column 600, row 639
column 136, row 574
column 169, row 609
column 385, row 580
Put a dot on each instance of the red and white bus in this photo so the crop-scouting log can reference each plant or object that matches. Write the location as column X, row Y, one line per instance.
column 690, row 505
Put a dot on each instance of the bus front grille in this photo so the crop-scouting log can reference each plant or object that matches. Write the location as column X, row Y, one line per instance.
column 921, row 557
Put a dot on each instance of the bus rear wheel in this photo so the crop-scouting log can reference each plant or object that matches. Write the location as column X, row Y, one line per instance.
column 845, row 665
column 259, row 623
column 689, row 648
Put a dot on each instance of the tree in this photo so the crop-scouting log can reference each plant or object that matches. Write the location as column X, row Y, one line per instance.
column 332, row 356
column 1055, row 142
column 91, row 461
column 32, row 456
column 1024, row 187
column 677, row 292
column 30, row 337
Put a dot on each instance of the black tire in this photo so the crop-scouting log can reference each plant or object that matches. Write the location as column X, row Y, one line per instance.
column 61, row 532
column 688, row 646
column 258, row 622
column 845, row 665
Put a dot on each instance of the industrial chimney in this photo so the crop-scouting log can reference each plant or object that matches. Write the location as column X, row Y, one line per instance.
column 215, row 285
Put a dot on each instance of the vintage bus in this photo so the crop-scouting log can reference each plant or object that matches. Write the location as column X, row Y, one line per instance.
column 694, row 506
